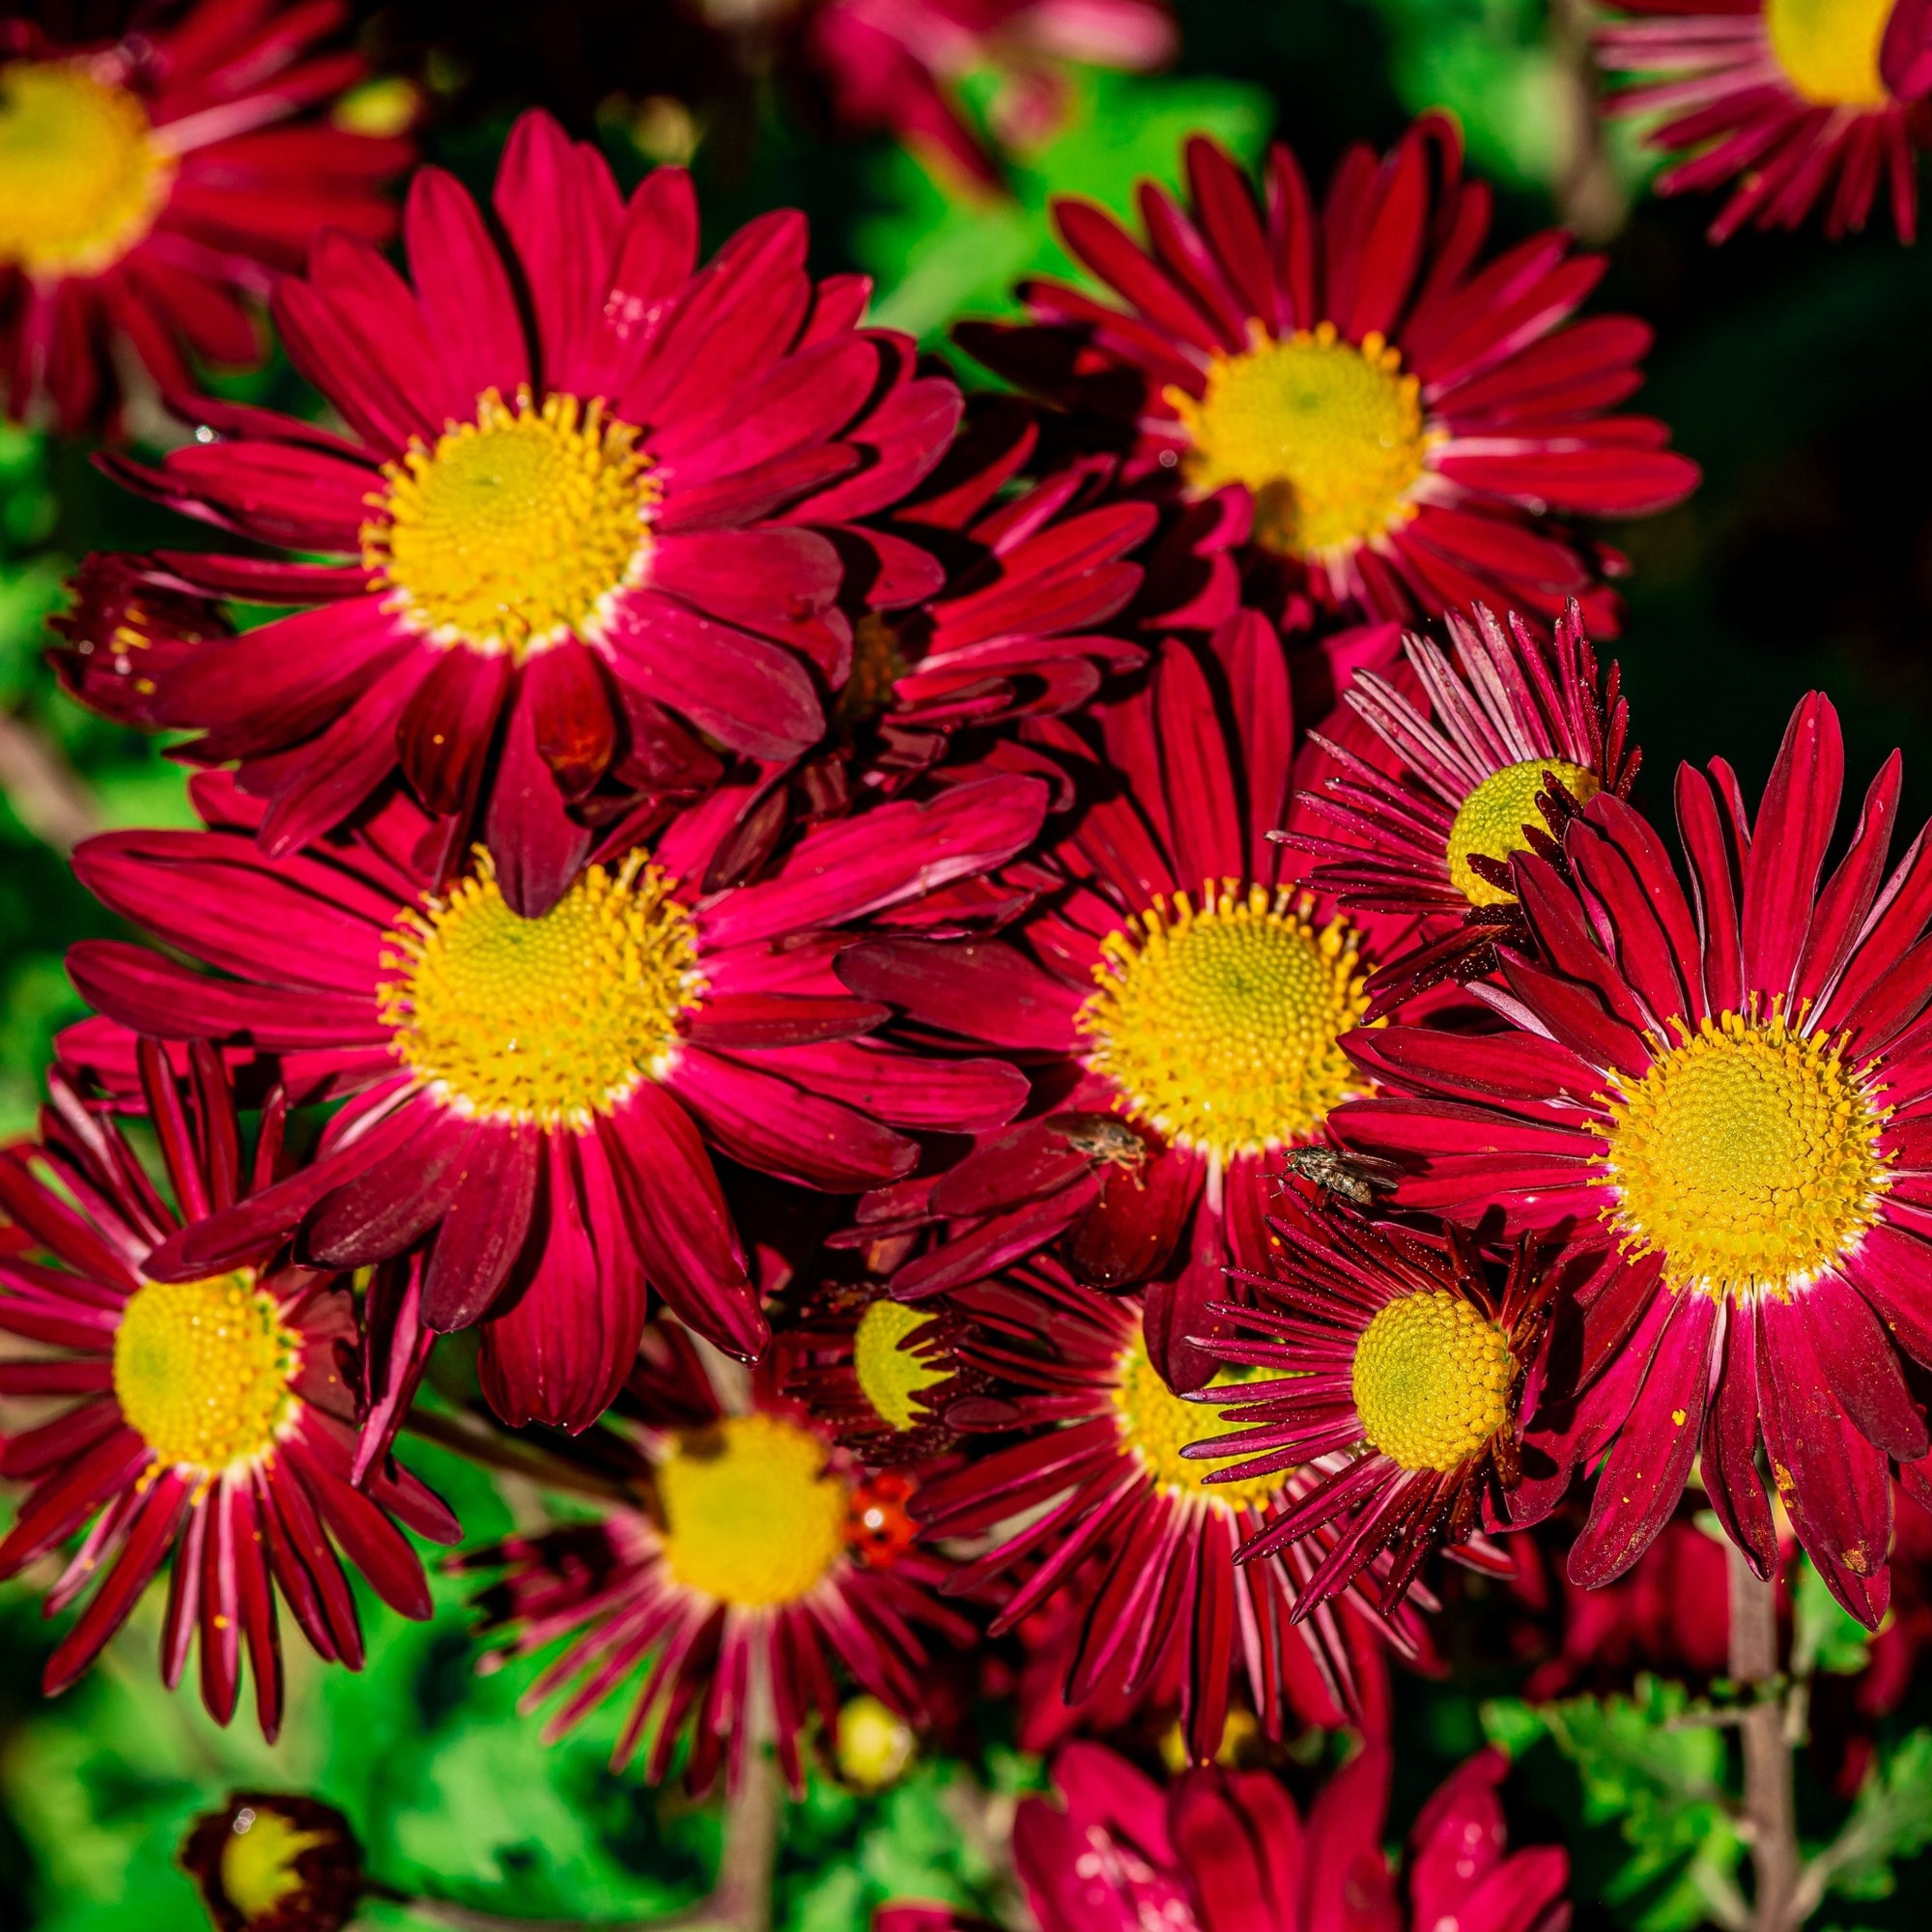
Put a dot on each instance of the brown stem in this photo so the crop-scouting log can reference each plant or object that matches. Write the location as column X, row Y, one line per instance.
column 472, row 1438
column 740, row 1900
column 1770, row 1810
column 1589, row 196
column 48, row 796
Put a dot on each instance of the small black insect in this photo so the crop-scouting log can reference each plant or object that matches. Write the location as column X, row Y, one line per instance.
column 1356, row 1177
column 1102, row 1138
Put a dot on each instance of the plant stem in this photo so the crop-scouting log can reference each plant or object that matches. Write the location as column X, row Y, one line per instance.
column 1770, row 1809
column 739, row 1901
column 472, row 1437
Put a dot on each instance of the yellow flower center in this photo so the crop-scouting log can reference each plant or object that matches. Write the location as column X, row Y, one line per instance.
column 1221, row 1027
column 1155, row 1425
column 80, row 179
column 514, row 532
column 202, row 1370
column 1432, row 1381
column 1327, row 436
column 258, row 1862
column 1830, row 48
column 891, row 1373
column 750, row 1516
column 1748, row 1157
column 1492, row 818
column 552, row 1019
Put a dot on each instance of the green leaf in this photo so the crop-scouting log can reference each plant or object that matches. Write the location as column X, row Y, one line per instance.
column 1826, row 1636
column 938, row 255
column 1659, row 1782
column 1891, row 1818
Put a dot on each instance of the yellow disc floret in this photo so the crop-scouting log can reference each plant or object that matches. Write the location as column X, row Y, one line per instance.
column 258, row 1862
column 202, row 1370
column 1830, row 48
column 517, row 528
column 1220, row 1027
column 81, row 179
column 552, row 1019
column 1155, row 1425
column 890, row 1373
column 1329, row 438
column 1491, row 821
column 1748, row 1157
column 751, row 1516
column 1432, row 1381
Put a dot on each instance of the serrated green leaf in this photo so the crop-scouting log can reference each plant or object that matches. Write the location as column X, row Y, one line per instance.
column 1891, row 1820
column 1661, row 1783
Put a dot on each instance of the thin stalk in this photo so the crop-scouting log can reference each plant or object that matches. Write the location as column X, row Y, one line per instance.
column 1771, row 1816
column 740, row 1900
column 472, row 1437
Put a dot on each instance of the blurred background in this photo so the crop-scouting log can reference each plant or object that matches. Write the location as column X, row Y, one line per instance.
column 1793, row 370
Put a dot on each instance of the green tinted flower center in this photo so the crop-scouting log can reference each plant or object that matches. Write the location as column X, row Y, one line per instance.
column 1492, row 820
column 202, row 1370
column 1432, row 1381
column 891, row 1373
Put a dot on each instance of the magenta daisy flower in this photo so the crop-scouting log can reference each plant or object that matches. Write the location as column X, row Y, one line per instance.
column 900, row 64
column 1796, row 102
column 1098, row 1477
column 1398, row 1370
column 1110, row 1851
column 1179, row 995
column 1022, row 626
column 208, row 1421
column 1499, row 748
column 1730, row 1081
column 535, row 1099
column 736, row 1596
column 125, row 628
column 151, row 189
column 562, row 541
column 1407, row 426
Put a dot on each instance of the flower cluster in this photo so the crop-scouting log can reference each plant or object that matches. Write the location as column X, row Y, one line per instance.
column 1044, row 1033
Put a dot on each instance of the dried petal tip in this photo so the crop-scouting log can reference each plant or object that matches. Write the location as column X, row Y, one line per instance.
column 267, row 1863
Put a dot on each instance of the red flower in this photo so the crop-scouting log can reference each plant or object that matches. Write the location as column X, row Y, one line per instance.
column 1098, row 1477
column 736, row 1595
column 558, row 543
column 1792, row 102
column 150, row 185
column 1178, row 994
column 1400, row 1375
column 537, row 1094
column 1023, row 625
column 1521, row 735
column 1225, row 1852
column 899, row 64
column 1405, row 424
column 211, row 1419
column 1737, row 1090
column 127, row 628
